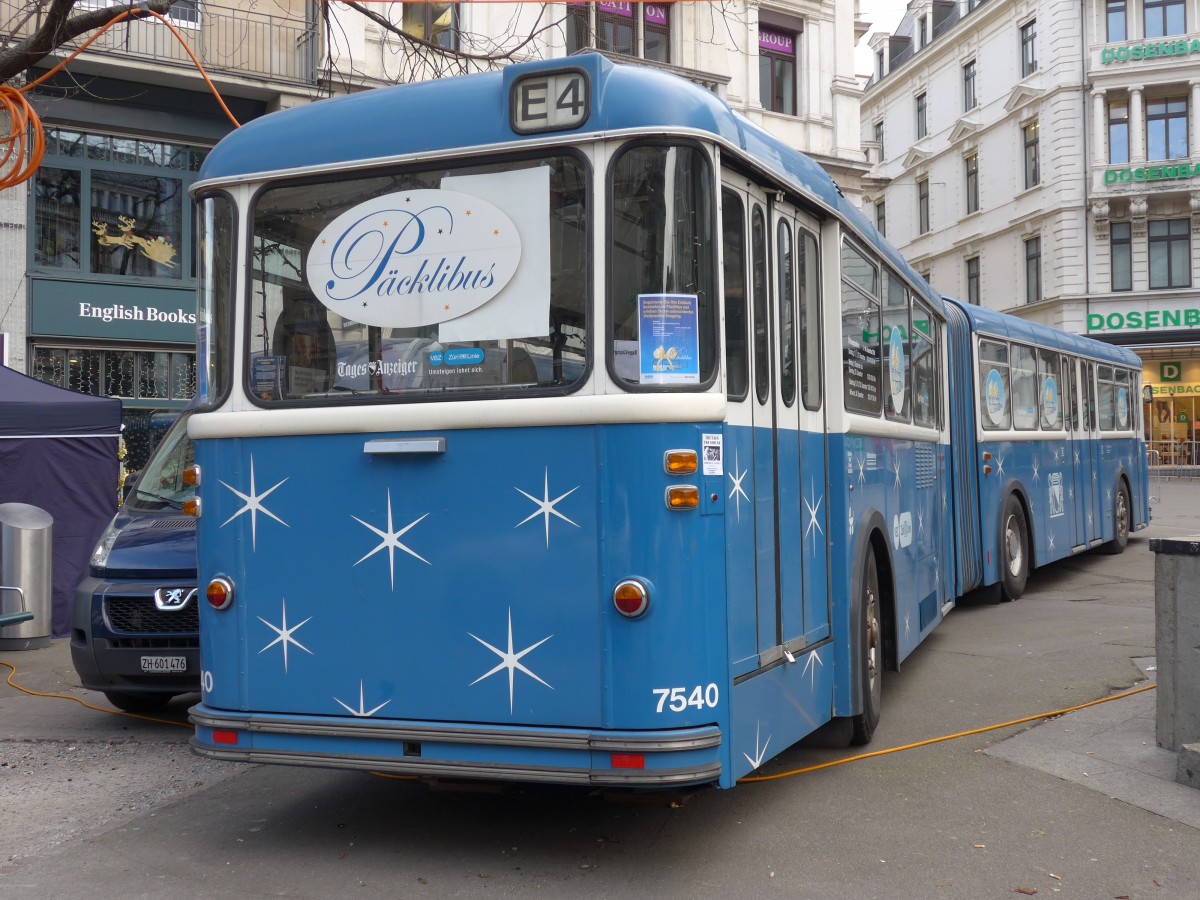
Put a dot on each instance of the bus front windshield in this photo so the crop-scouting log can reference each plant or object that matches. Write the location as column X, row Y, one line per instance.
column 400, row 285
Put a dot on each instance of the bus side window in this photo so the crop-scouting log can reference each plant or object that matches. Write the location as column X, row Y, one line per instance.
column 1104, row 398
column 860, row 333
column 737, row 361
column 1069, row 398
column 1051, row 393
column 1024, row 388
column 809, row 281
column 924, row 367
column 758, row 297
column 993, row 385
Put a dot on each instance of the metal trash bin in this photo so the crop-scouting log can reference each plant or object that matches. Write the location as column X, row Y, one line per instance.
column 26, row 547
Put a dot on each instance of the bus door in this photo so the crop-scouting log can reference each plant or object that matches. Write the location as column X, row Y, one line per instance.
column 1076, row 446
column 1086, row 480
column 800, row 513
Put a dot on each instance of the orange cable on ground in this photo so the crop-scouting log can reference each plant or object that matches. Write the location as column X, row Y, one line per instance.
column 948, row 737
column 24, row 119
column 111, row 712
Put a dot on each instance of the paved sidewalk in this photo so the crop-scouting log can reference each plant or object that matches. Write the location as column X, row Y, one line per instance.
column 1112, row 747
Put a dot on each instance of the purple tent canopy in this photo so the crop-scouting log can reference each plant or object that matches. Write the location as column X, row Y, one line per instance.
column 58, row 451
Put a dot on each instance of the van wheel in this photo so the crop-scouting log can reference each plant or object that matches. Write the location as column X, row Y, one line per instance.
column 1120, row 521
column 870, row 646
column 138, row 703
column 1014, row 549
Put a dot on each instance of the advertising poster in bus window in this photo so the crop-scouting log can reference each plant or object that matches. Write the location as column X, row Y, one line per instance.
column 668, row 339
column 860, row 357
column 996, row 397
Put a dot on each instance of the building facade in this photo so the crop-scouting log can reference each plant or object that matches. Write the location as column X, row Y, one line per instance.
column 99, row 276
column 1036, row 156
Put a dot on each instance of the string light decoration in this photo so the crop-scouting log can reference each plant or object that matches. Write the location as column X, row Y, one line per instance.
column 24, row 145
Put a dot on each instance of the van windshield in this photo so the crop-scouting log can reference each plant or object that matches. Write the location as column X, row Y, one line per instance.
column 161, row 482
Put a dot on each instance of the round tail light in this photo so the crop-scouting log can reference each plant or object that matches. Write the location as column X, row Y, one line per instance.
column 631, row 598
column 219, row 593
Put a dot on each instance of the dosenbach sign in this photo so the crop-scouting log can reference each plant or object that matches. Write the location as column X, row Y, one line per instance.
column 1155, row 50
column 1142, row 317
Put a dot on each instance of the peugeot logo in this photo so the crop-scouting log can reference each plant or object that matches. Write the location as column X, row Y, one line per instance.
column 173, row 599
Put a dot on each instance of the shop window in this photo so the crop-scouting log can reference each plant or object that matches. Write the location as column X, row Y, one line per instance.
column 1164, row 18
column 153, row 386
column 129, row 194
column 614, row 26
column 1029, row 48
column 777, row 70
column 1122, row 256
column 970, row 101
column 1167, row 129
column 1170, row 253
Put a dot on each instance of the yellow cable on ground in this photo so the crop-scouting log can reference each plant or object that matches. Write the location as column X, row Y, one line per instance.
column 949, row 737
column 111, row 712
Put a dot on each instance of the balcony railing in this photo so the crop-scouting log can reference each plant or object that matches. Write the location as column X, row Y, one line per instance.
column 226, row 40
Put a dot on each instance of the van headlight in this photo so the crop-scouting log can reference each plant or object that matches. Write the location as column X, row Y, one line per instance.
column 104, row 547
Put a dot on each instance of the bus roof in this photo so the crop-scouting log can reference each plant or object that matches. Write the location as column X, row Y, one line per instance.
column 998, row 324
column 450, row 114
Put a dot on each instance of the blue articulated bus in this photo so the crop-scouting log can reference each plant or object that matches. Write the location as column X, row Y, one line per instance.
column 559, row 424
column 1048, row 446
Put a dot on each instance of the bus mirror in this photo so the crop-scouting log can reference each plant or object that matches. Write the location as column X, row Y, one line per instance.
column 1147, row 393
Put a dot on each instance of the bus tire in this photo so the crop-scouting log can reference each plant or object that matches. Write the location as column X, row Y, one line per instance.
column 1014, row 549
column 869, row 635
column 1120, row 520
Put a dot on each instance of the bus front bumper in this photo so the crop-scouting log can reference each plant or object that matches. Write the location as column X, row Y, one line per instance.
column 666, row 758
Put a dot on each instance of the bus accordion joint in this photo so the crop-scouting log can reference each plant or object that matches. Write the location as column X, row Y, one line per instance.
column 683, row 496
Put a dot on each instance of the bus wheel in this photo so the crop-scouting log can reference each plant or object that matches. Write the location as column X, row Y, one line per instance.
column 1014, row 549
column 1120, row 521
column 870, row 641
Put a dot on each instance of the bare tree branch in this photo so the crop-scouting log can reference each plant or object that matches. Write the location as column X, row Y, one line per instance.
column 59, row 27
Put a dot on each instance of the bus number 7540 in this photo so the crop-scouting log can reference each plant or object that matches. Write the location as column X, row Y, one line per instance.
column 678, row 699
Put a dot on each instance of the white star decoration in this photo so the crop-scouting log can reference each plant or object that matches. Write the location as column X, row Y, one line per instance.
column 284, row 635
column 814, row 657
column 254, row 506
column 391, row 540
column 546, row 506
column 1000, row 467
column 738, row 493
column 510, row 661
column 759, row 752
column 862, row 473
column 1036, row 476
column 362, row 712
column 1052, row 541
column 812, row 517
column 896, row 469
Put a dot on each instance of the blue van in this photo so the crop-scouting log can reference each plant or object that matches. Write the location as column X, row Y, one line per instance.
column 134, row 620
